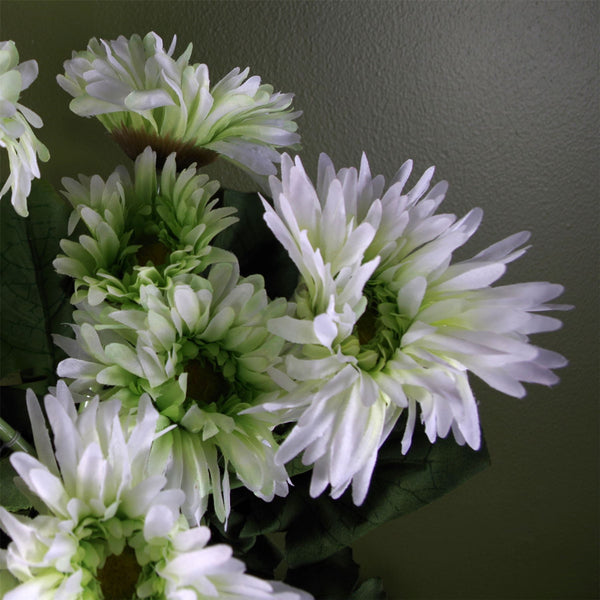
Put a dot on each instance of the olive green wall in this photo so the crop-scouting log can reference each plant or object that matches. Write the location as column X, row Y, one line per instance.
column 503, row 98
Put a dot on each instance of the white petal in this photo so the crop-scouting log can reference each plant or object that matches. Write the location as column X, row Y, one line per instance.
column 411, row 296
column 41, row 438
column 147, row 99
column 325, row 329
column 298, row 331
column 29, row 72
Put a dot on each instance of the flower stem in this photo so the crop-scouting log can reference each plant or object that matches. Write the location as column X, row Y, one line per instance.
column 13, row 439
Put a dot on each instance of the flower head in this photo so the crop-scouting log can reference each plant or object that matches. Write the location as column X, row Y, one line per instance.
column 384, row 321
column 16, row 122
column 109, row 527
column 144, row 96
column 165, row 218
column 201, row 349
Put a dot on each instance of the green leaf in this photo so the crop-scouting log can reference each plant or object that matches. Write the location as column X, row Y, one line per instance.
column 262, row 558
column 260, row 554
column 13, row 408
column 371, row 589
column 256, row 248
column 329, row 579
column 10, row 496
column 34, row 300
column 319, row 527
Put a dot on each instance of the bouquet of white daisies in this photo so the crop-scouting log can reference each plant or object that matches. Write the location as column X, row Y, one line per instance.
column 218, row 367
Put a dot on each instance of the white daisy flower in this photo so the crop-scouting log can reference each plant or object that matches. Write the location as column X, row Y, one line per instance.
column 385, row 322
column 144, row 96
column 16, row 122
column 165, row 218
column 109, row 528
column 201, row 349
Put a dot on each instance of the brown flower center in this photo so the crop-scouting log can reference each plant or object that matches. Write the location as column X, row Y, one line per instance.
column 152, row 251
column 366, row 326
column 119, row 575
column 134, row 142
column 205, row 385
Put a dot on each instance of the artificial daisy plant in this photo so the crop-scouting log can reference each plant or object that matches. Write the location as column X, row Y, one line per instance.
column 218, row 366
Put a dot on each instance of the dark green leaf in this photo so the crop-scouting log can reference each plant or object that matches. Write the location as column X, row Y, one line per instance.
column 371, row 589
column 256, row 248
column 262, row 517
column 34, row 301
column 259, row 554
column 400, row 485
column 329, row 579
column 10, row 496
column 317, row 528
column 262, row 559
column 13, row 408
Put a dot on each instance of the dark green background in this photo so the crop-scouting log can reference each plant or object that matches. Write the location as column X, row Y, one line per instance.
column 503, row 98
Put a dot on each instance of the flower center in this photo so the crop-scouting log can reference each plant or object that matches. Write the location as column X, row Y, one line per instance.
column 152, row 251
column 119, row 575
column 134, row 141
column 379, row 329
column 205, row 385
column 366, row 326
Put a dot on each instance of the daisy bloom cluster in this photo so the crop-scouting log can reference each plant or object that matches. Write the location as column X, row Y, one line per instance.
column 109, row 527
column 385, row 323
column 183, row 379
column 161, row 310
column 16, row 122
column 144, row 96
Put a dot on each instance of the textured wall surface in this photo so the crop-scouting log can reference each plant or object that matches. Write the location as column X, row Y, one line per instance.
column 503, row 98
